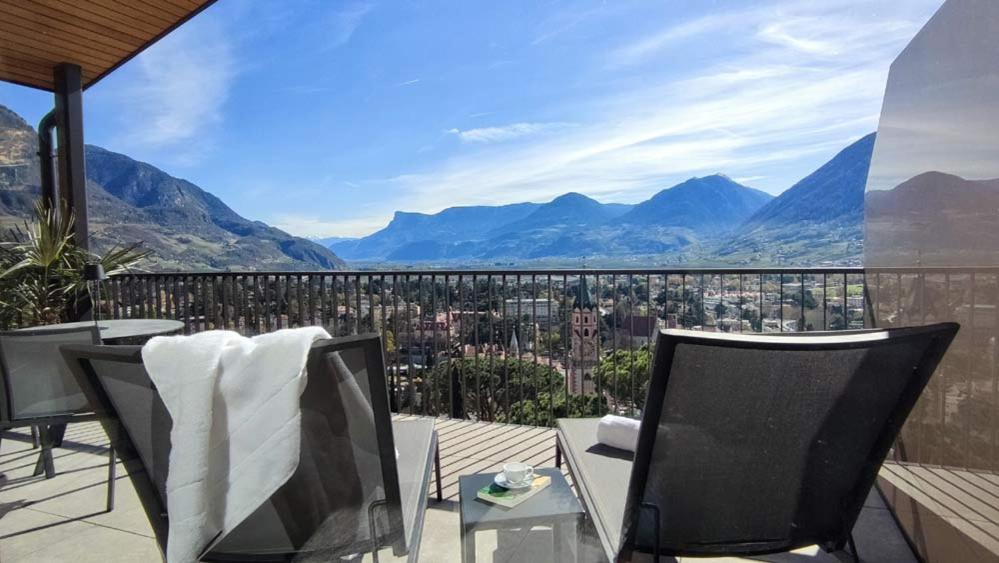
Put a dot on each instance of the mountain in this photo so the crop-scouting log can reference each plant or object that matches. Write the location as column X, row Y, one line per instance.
column 934, row 219
column 820, row 217
column 566, row 211
column 701, row 204
column 184, row 226
column 328, row 241
column 420, row 231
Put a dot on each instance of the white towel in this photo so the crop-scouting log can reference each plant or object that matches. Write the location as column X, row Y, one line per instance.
column 235, row 439
column 618, row 432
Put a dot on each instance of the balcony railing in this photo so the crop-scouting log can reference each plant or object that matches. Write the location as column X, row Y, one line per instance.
column 505, row 346
column 524, row 346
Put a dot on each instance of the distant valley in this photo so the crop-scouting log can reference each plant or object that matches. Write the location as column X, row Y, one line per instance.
column 710, row 220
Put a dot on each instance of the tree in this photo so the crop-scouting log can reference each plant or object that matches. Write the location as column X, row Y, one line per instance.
column 542, row 411
column 720, row 310
column 41, row 270
column 624, row 375
column 753, row 317
column 503, row 390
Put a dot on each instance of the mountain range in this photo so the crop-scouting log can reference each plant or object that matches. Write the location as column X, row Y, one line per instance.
column 706, row 220
column 701, row 221
column 571, row 225
column 185, row 227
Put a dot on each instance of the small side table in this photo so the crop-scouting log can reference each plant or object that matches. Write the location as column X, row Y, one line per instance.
column 556, row 506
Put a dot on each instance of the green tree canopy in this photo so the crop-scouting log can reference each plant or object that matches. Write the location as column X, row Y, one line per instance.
column 624, row 376
column 504, row 390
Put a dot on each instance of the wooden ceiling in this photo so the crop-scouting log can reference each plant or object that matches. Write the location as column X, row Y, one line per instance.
column 97, row 35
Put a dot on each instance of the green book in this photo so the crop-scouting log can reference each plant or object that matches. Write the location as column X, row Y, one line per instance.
column 510, row 498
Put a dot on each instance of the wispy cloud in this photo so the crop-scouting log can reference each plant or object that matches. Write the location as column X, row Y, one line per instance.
column 176, row 91
column 345, row 21
column 638, row 50
column 409, row 82
column 311, row 226
column 794, row 95
column 561, row 22
column 506, row 132
column 828, row 28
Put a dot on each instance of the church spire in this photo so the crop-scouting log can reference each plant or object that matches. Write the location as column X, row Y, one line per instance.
column 583, row 300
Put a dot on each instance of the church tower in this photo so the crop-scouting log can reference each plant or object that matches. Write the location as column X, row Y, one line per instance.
column 583, row 357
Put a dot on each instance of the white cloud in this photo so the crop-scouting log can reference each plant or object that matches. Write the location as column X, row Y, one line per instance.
column 409, row 82
column 176, row 90
column 309, row 226
column 505, row 132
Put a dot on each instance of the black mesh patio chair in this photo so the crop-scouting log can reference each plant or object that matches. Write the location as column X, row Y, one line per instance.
column 755, row 444
column 37, row 390
column 362, row 480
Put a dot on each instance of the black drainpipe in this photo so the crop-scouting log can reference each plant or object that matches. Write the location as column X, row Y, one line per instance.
column 46, row 127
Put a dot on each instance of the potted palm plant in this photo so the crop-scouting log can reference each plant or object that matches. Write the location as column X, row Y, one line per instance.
column 41, row 270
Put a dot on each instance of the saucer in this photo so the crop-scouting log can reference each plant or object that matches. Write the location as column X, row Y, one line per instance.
column 501, row 481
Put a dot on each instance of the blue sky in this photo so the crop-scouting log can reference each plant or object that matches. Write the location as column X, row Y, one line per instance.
column 325, row 117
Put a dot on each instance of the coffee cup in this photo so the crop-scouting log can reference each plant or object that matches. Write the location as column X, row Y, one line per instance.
column 517, row 473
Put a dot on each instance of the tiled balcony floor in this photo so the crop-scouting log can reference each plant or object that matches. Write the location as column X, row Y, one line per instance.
column 63, row 519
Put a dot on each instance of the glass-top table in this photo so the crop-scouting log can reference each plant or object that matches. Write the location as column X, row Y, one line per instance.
column 117, row 330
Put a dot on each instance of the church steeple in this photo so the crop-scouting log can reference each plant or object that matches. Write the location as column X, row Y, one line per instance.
column 583, row 300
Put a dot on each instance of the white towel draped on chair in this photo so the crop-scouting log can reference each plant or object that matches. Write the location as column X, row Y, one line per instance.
column 236, row 437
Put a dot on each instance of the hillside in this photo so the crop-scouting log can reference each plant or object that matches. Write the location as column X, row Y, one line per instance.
column 820, row 218
column 184, row 226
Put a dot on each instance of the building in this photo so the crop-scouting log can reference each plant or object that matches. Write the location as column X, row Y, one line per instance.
column 542, row 310
column 583, row 358
column 637, row 330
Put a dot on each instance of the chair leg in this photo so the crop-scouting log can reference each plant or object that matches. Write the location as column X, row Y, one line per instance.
column 112, row 470
column 558, row 455
column 57, row 432
column 45, row 463
column 437, row 469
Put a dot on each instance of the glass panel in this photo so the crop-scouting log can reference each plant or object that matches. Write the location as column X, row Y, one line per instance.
column 932, row 253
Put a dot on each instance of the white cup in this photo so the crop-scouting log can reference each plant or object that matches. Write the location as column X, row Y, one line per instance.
column 517, row 473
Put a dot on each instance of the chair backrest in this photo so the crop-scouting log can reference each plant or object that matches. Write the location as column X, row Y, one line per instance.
column 347, row 480
column 134, row 418
column 36, row 382
column 758, row 444
column 347, row 466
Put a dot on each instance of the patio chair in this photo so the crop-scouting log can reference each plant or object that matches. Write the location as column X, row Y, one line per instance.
column 362, row 479
column 38, row 391
column 751, row 445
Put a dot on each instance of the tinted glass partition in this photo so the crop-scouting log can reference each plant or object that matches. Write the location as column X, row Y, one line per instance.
column 932, row 254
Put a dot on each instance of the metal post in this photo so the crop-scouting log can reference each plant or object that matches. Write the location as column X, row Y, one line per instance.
column 72, row 167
